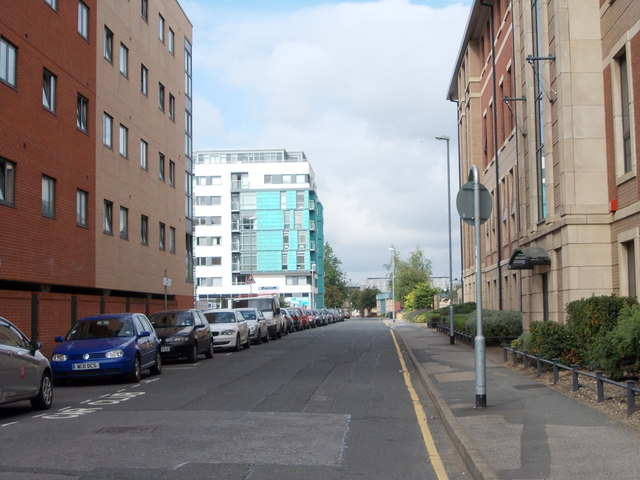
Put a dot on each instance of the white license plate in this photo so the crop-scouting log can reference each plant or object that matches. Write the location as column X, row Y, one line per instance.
column 86, row 366
column 165, row 349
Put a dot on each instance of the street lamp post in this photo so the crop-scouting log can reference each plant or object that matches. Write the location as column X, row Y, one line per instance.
column 313, row 284
column 393, row 283
column 451, row 332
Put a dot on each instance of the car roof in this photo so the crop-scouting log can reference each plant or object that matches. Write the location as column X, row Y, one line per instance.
column 110, row 315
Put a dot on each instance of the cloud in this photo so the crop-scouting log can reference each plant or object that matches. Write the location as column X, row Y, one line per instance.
column 361, row 89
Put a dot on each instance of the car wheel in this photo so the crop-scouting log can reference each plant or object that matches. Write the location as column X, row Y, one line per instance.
column 237, row 346
column 193, row 355
column 258, row 338
column 157, row 367
column 279, row 333
column 45, row 396
column 209, row 352
column 136, row 375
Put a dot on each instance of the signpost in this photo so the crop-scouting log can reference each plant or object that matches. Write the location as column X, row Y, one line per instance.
column 474, row 206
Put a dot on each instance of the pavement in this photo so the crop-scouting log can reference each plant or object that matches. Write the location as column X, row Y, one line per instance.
column 527, row 431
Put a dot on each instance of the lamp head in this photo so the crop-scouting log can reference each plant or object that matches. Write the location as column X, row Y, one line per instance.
column 443, row 137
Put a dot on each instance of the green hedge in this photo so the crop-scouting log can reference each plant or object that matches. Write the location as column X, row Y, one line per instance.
column 618, row 352
column 496, row 324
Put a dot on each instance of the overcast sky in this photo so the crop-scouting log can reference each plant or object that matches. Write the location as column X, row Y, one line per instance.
column 360, row 87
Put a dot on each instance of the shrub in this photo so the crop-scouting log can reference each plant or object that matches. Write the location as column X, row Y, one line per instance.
column 592, row 318
column 464, row 308
column 553, row 340
column 522, row 343
column 496, row 324
column 618, row 352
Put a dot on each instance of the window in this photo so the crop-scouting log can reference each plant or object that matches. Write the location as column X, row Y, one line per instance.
column 124, row 141
column 285, row 261
column 161, row 236
column 172, row 239
column 161, row 96
column 124, row 60
column 108, row 44
column 82, row 113
column 7, row 182
column 172, row 173
column 144, row 230
column 83, row 20
column 48, row 196
column 625, row 110
column 107, row 126
column 283, row 200
column 187, row 69
column 48, row 90
column 107, row 226
column 124, row 223
column 144, row 77
column 161, row 28
column 144, row 10
column 161, row 166
column 82, row 202
column 300, row 261
column 171, row 41
column 300, row 199
column 8, row 55
column 172, row 107
column 187, row 133
column 52, row 3
column 144, row 147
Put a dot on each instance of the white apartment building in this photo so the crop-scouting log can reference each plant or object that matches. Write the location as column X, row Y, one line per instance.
column 258, row 227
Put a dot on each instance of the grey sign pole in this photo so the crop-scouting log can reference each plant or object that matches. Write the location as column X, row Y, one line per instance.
column 481, row 370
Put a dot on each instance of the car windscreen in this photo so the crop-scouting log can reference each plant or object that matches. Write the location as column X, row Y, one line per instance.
column 171, row 319
column 262, row 304
column 220, row 317
column 248, row 314
column 101, row 328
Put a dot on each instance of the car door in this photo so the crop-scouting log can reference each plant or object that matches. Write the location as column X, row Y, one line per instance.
column 146, row 344
column 19, row 375
column 243, row 328
column 201, row 331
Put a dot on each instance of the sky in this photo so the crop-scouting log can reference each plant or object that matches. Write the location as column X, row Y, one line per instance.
column 361, row 88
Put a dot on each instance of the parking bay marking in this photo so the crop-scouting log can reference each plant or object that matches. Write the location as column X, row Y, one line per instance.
column 92, row 406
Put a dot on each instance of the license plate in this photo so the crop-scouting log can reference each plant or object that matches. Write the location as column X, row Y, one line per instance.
column 86, row 366
column 165, row 349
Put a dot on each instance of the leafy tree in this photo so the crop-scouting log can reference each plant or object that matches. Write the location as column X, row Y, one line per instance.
column 410, row 273
column 335, row 284
column 420, row 297
column 365, row 299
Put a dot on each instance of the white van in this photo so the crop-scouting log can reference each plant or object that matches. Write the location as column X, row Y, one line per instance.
column 270, row 307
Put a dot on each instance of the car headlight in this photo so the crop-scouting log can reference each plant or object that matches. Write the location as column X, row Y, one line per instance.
column 115, row 354
column 252, row 328
column 228, row 332
column 177, row 339
column 59, row 357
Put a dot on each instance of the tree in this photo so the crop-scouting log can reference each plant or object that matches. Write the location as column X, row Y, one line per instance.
column 421, row 297
column 410, row 273
column 365, row 299
column 335, row 285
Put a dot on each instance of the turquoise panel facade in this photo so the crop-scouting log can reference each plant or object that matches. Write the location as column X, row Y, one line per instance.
column 269, row 261
column 268, row 200
column 270, row 220
column 270, row 240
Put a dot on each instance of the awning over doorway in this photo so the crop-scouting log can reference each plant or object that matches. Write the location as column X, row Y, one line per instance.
column 527, row 258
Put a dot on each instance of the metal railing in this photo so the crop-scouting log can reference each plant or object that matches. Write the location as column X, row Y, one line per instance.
column 598, row 375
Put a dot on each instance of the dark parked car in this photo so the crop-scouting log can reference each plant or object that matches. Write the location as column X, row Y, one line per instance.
column 183, row 333
column 25, row 373
column 107, row 345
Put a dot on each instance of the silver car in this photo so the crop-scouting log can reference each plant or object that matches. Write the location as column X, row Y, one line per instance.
column 258, row 328
column 25, row 373
column 229, row 329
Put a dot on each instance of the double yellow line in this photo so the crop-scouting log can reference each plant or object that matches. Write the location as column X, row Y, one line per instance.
column 429, row 444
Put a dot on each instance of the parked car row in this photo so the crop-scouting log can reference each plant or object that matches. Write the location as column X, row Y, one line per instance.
column 126, row 344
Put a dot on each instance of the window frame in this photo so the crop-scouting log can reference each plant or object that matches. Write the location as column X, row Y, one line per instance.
column 161, row 95
column 49, row 83
column 144, row 80
column 48, row 190
column 7, row 182
column 144, row 154
column 107, row 52
column 107, row 217
column 161, row 166
column 123, row 146
column 172, row 173
column 162, row 236
column 83, row 20
column 53, row 4
column 82, row 208
column 123, row 223
column 172, row 239
column 82, row 113
column 171, row 41
column 172, row 108
column 9, row 64
column 107, row 130
column 144, row 10
column 144, row 230
column 123, row 62
column 161, row 24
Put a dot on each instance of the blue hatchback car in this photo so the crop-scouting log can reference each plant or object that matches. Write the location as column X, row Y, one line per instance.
column 106, row 345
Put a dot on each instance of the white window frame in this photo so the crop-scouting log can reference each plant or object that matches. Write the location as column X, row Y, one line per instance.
column 172, row 41
column 7, row 181
column 48, row 197
column 49, row 81
column 124, row 60
column 144, row 155
column 8, row 62
column 82, row 113
column 172, row 239
column 144, row 80
column 108, row 44
column 82, row 204
column 107, row 130
column 123, row 144
column 160, row 28
column 83, row 20
column 107, row 213
column 123, row 225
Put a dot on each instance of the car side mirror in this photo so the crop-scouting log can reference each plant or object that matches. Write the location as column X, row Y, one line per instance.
column 59, row 339
column 144, row 334
column 35, row 346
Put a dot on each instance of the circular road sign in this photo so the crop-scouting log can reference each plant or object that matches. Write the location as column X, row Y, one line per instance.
column 464, row 203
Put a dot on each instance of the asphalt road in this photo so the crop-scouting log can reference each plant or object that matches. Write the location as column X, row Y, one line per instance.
column 329, row 403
